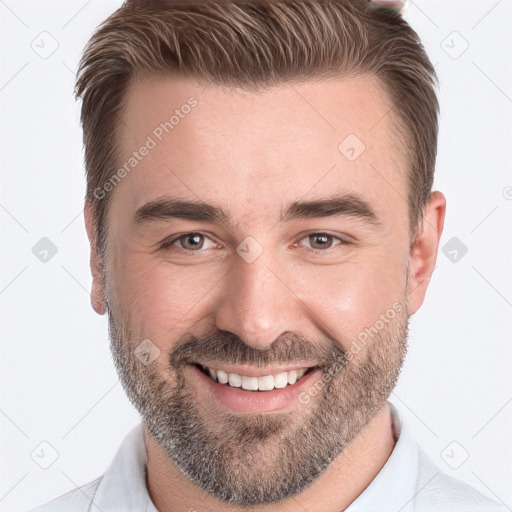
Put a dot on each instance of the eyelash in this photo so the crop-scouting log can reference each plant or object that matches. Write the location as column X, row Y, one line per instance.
column 169, row 244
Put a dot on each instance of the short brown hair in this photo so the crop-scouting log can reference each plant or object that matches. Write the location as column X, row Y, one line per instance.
column 250, row 44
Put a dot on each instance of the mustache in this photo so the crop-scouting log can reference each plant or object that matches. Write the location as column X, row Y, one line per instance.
column 225, row 347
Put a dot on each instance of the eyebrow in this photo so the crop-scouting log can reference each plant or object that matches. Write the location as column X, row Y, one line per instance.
column 339, row 205
column 347, row 205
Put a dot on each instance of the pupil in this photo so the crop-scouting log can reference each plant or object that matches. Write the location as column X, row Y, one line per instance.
column 321, row 239
column 193, row 239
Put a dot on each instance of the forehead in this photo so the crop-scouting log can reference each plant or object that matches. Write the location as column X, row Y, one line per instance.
column 257, row 150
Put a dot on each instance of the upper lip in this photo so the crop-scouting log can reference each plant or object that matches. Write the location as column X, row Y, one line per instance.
column 252, row 371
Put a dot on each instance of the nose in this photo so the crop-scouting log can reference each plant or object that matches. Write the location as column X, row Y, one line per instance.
column 257, row 305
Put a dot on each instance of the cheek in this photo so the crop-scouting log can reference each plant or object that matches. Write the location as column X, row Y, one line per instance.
column 351, row 297
column 160, row 297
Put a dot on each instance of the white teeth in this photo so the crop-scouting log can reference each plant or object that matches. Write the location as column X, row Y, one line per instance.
column 222, row 376
column 281, row 380
column 235, row 380
column 300, row 373
column 263, row 383
column 250, row 383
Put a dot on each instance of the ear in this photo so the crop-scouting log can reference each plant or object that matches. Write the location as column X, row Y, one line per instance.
column 97, row 292
column 423, row 255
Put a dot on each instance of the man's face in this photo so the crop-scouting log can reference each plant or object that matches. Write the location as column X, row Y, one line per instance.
column 274, row 281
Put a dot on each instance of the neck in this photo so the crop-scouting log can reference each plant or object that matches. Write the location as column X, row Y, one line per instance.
column 336, row 488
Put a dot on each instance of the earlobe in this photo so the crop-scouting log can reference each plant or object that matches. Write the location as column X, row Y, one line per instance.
column 423, row 255
column 97, row 291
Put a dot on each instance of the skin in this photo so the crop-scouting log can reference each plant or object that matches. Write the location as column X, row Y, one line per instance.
column 253, row 153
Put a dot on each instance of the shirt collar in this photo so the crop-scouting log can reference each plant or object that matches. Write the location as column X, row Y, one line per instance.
column 394, row 487
column 123, row 486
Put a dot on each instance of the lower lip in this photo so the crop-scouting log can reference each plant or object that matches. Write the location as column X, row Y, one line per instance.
column 240, row 400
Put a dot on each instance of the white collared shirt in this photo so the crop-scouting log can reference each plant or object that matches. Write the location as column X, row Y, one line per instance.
column 408, row 482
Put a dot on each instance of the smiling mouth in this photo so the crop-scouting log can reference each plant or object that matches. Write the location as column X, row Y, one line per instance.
column 262, row 383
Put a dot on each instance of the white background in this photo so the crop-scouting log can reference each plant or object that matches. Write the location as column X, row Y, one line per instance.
column 58, row 384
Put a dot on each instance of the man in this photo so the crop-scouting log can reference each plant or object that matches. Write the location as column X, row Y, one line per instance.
column 262, row 226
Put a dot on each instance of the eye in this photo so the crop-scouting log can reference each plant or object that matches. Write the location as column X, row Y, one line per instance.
column 191, row 242
column 322, row 242
column 196, row 241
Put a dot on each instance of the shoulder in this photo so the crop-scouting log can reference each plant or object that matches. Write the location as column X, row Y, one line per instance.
column 437, row 491
column 77, row 500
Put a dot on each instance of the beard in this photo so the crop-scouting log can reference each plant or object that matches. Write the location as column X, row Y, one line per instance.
column 249, row 459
